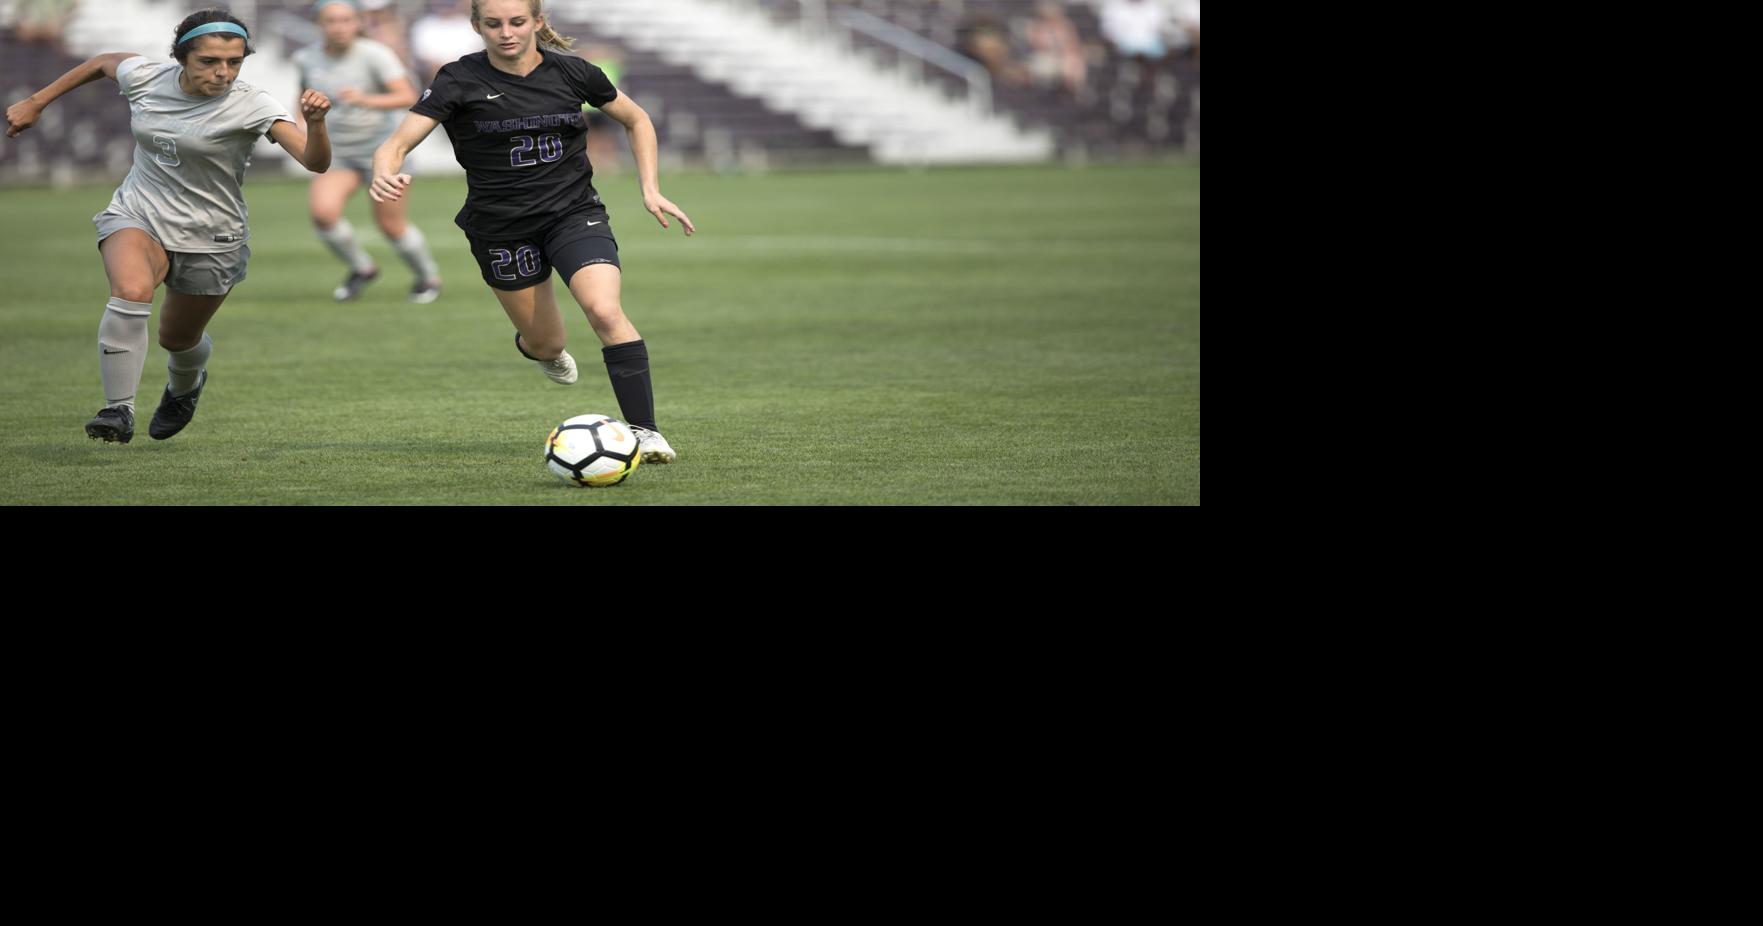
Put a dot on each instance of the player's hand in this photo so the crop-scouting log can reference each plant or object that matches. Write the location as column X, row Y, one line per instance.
column 661, row 207
column 388, row 188
column 20, row 116
column 313, row 105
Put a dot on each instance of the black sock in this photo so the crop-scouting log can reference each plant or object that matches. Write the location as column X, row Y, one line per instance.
column 628, row 367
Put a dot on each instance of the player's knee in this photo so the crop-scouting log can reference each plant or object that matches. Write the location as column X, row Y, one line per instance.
column 132, row 290
column 604, row 313
column 175, row 343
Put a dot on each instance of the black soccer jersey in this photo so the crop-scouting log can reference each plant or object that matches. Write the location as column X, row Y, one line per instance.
column 521, row 140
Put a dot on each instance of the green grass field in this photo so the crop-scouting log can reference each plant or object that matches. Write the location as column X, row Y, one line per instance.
column 998, row 336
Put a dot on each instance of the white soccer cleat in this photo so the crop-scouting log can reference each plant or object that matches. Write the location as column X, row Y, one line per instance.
column 561, row 370
column 655, row 448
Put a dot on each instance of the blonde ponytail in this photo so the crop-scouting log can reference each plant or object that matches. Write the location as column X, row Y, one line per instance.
column 549, row 36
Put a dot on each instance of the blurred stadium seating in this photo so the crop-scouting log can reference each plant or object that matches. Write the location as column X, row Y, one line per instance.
column 731, row 84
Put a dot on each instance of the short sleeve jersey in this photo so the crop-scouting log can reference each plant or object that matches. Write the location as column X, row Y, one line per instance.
column 366, row 66
column 191, row 153
column 521, row 140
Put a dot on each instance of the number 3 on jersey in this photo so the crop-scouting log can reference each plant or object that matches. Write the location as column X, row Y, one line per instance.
column 168, row 147
column 550, row 149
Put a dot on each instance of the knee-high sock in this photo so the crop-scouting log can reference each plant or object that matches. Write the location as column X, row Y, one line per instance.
column 340, row 238
column 186, row 366
column 414, row 248
column 628, row 366
column 122, row 350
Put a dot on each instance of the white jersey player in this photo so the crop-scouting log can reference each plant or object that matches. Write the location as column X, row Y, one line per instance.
column 367, row 85
column 179, row 216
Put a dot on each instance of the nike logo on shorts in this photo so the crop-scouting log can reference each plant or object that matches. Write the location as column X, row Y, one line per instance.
column 494, row 95
column 592, row 224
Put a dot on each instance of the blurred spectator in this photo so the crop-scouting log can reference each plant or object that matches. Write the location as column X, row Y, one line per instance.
column 380, row 21
column 42, row 21
column 1056, row 53
column 443, row 36
column 985, row 39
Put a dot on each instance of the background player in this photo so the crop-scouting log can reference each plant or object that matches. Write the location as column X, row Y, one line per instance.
column 366, row 83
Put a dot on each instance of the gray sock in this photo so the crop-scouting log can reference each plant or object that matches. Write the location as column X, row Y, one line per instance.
column 122, row 350
column 414, row 248
column 186, row 366
column 340, row 238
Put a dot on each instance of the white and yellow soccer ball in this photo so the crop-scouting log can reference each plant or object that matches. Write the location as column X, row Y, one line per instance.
column 592, row 451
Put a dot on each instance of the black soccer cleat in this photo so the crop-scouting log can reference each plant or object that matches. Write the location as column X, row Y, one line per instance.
column 175, row 411
column 112, row 425
column 353, row 286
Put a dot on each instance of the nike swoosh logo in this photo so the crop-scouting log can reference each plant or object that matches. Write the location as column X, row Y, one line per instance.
column 109, row 351
column 494, row 95
column 592, row 224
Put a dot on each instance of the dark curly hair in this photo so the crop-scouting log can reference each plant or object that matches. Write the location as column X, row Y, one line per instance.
column 203, row 18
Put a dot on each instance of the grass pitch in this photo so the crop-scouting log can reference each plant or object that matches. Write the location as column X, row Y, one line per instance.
column 959, row 336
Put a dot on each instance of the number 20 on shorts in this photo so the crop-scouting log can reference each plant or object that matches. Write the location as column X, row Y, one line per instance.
column 526, row 260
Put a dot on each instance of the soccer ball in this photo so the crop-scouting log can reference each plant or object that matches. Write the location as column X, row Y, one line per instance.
column 592, row 451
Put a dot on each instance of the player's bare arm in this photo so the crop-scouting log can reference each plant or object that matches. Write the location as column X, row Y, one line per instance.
column 24, row 114
column 310, row 146
column 388, row 183
column 645, row 148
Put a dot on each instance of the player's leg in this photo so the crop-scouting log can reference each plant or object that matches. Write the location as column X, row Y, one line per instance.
column 329, row 194
column 195, row 289
column 520, row 276
column 183, row 332
column 538, row 329
column 135, row 265
column 408, row 241
column 597, row 288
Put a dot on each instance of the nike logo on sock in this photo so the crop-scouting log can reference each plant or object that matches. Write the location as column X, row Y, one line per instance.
column 109, row 351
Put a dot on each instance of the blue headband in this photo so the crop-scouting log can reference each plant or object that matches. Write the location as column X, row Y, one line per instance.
column 233, row 28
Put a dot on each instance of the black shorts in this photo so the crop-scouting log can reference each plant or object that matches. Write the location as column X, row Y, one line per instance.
column 577, row 240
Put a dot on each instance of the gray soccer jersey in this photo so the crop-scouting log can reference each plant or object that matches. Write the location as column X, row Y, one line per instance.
column 190, row 157
column 366, row 66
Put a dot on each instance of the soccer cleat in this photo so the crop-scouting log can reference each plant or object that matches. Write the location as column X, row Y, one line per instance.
column 425, row 291
column 561, row 370
column 353, row 286
column 175, row 411
column 655, row 448
column 112, row 425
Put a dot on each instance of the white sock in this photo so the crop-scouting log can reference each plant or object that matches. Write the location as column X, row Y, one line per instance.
column 340, row 238
column 414, row 248
column 122, row 350
column 186, row 366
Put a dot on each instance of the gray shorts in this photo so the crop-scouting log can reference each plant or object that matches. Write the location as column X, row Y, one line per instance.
column 358, row 158
column 194, row 274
